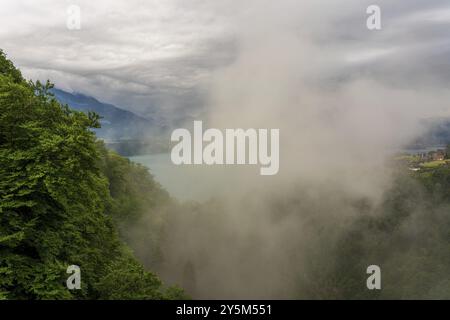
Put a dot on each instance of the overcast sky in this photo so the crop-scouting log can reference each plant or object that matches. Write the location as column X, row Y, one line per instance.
column 148, row 56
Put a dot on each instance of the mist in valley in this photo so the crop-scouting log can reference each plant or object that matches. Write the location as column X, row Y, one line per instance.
column 287, row 235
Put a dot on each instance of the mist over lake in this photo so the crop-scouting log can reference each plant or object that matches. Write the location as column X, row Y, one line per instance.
column 182, row 182
column 198, row 182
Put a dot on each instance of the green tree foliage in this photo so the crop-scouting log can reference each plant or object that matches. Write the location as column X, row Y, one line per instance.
column 139, row 205
column 59, row 191
column 127, row 279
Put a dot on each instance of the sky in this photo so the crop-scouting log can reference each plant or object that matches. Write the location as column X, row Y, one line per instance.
column 160, row 57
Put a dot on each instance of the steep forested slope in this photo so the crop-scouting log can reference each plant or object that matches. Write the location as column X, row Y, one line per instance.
column 61, row 202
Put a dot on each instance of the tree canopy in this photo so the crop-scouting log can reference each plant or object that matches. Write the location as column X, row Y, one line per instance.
column 59, row 202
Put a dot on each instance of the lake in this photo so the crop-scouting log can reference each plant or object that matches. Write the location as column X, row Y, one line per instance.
column 194, row 182
column 200, row 182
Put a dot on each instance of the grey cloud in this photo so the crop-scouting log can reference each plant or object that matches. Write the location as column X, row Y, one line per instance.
column 160, row 54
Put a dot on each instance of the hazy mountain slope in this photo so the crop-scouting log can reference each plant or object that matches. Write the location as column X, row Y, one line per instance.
column 117, row 124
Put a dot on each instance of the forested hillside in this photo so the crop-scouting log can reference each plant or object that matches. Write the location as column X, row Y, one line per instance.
column 64, row 198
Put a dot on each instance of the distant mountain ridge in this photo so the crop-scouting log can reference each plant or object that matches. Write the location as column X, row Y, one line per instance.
column 117, row 123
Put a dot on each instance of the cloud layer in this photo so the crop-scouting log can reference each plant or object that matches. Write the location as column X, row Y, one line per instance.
column 156, row 57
